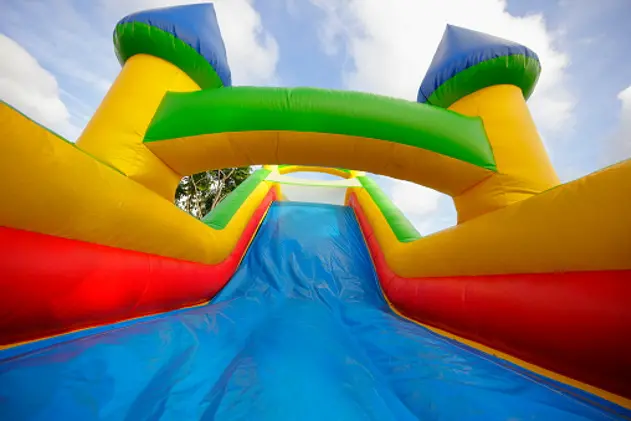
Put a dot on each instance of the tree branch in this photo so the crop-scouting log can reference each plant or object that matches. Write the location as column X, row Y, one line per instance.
column 221, row 185
column 197, row 206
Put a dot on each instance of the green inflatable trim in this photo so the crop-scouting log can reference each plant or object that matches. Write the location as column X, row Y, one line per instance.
column 337, row 168
column 219, row 217
column 399, row 224
column 517, row 70
column 239, row 109
column 139, row 38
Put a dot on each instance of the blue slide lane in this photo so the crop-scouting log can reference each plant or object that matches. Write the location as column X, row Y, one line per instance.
column 301, row 332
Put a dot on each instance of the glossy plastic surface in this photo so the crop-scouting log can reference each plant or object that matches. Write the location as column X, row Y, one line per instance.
column 188, row 36
column 52, row 285
column 496, row 61
column 301, row 332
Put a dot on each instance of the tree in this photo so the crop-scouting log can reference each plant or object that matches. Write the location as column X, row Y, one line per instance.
column 199, row 193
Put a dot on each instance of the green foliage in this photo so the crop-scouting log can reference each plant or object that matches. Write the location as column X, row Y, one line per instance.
column 199, row 193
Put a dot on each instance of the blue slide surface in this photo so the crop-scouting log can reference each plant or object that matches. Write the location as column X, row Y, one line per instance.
column 301, row 332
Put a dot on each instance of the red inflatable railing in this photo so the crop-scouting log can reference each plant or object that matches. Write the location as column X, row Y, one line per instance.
column 52, row 285
column 577, row 324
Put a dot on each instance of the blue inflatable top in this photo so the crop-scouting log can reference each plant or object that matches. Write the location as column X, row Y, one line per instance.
column 463, row 53
column 181, row 35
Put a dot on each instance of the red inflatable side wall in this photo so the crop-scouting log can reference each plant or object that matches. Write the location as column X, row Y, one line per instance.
column 51, row 285
column 577, row 324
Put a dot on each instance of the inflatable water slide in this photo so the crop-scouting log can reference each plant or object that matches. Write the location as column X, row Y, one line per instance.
column 298, row 299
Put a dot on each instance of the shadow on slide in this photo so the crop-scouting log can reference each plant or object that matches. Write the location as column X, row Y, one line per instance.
column 301, row 332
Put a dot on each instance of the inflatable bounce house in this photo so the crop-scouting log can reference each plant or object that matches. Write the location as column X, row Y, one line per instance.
column 308, row 300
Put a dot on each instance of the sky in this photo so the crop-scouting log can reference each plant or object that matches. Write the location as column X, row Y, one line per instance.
column 58, row 63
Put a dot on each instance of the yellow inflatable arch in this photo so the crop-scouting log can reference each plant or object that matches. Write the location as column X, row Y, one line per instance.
column 484, row 151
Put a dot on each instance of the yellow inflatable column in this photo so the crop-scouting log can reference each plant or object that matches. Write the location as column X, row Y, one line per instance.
column 523, row 166
column 115, row 133
column 479, row 75
column 176, row 49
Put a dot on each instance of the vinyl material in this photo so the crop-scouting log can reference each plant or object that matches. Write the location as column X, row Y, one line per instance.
column 301, row 332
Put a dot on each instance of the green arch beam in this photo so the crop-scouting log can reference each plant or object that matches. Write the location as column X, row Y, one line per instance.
column 240, row 109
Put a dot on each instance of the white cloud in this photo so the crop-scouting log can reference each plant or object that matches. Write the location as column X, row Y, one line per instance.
column 31, row 89
column 428, row 210
column 389, row 48
column 74, row 43
column 252, row 50
column 619, row 148
column 625, row 97
column 413, row 199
